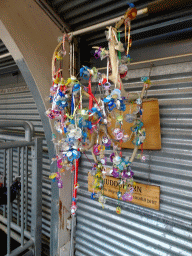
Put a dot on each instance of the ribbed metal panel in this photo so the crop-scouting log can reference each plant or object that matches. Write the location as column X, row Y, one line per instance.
column 7, row 64
column 19, row 105
column 83, row 13
column 139, row 230
column 78, row 14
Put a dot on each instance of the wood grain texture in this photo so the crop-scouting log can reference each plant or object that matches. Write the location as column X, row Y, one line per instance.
column 144, row 195
column 151, row 122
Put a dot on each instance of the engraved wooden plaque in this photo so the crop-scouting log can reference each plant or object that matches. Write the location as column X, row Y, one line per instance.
column 144, row 195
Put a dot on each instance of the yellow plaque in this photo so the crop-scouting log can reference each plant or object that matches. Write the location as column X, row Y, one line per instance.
column 151, row 122
column 144, row 195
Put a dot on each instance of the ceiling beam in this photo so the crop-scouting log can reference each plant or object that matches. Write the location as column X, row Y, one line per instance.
column 53, row 16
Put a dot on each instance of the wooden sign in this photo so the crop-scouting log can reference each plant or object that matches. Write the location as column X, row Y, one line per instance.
column 144, row 195
column 151, row 122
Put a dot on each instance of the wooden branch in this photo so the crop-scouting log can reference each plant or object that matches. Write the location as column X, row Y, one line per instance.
column 130, row 13
column 92, row 142
column 132, row 96
column 133, row 154
column 115, row 77
column 94, row 156
column 142, row 92
column 53, row 58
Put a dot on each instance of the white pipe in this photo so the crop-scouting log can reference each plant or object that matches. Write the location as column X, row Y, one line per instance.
column 105, row 23
column 71, row 56
column 153, row 60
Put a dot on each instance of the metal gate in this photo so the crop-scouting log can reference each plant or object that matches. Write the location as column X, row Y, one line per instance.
column 18, row 223
column 139, row 230
column 17, row 103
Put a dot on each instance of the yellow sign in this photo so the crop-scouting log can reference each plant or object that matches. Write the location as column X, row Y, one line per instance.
column 144, row 195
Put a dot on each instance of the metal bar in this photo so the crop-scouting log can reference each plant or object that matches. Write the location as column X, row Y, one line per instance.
column 22, row 196
column 21, row 249
column 71, row 242
column 26, row 186
column 14, row 235
column 4, row 173
column 10, row 66
column 74, row 196
column 36, row 207
column 15, row 227
column 54, row 232
column 18, row 172
column 29, row 129
column 11, row 137
column 15, row 144
column 105, row 23
column 5, row 55
column 72, row 230
column 72, row 183
column 9, row 208
column 29, row 253
column 154, row 60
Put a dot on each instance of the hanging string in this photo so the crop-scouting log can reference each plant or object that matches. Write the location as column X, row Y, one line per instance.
column 88, row 159
column 120, row 84
column 107, row 69
column 141, row 148
column 64, row 51
column 80, row 103
column 75, row 183
column 97, row 121
column 119, row 38
column 90, row 93
column 72, row 104
column 117, row 73
column 125, row 32
column 129, row 34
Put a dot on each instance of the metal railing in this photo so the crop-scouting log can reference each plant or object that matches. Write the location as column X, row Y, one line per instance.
column 25, row 222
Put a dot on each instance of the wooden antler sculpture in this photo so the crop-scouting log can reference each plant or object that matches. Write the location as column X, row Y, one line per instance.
column 115, row 46
column 114, row 77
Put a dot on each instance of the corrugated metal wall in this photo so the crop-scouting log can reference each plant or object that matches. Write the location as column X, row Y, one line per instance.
column 139, row 230
column 17, row 103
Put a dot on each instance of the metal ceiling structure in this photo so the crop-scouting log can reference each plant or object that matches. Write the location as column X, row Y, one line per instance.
column 147, row 29
column 83, row 13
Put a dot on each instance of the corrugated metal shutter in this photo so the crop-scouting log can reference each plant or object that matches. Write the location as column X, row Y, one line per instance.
column 16, row 103
column 139, row 230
